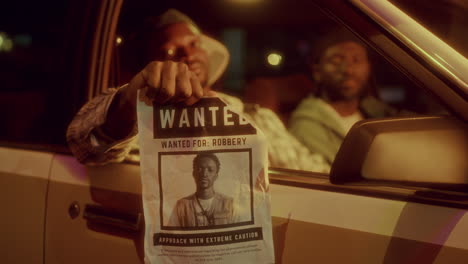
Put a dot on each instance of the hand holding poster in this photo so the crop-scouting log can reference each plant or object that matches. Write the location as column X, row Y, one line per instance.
column 205, row 188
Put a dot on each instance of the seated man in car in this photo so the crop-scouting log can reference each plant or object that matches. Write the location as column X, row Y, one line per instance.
column 205, row 207
column 341, row 74
column 181, row 64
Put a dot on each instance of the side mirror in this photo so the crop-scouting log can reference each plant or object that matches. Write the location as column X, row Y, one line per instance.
column 422, row 151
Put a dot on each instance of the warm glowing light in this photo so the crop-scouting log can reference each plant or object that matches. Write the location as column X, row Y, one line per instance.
column 274, row 59
column 118, row 40
column 7, row 45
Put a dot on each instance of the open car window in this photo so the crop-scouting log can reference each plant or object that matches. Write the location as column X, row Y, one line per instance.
column 271, row 45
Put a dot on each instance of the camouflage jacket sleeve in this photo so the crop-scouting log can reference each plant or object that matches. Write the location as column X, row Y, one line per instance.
column 89, row 143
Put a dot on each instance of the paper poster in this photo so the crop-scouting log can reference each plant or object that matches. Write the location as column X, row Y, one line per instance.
column 204, row 185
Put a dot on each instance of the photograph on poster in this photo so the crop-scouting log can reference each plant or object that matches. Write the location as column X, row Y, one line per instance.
column 206, row 189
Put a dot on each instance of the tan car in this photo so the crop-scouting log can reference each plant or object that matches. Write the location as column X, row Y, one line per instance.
column 397, row 191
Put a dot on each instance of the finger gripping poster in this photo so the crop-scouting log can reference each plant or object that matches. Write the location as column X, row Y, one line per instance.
column 204, row 185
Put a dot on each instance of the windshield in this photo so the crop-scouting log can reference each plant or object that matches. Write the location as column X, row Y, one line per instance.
column 426, row 28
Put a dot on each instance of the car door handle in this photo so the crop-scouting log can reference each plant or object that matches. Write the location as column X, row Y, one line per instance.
column 112, row 217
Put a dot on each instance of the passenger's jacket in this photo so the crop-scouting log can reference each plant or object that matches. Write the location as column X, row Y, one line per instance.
column 320, row 129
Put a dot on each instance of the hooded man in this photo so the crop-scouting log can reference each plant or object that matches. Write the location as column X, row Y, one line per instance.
column 181, row 64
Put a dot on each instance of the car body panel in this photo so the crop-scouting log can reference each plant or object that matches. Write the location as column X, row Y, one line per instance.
column 362, row 229
column 115, row 187
column 371, row 215
column 330, row 223
column 24, row 177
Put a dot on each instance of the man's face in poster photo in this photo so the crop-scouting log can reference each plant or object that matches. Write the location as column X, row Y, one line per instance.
column 205, row 173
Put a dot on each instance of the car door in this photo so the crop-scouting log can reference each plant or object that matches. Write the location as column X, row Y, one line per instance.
column 47, row 61
column 24, row 176
column 93, row 213
column 32, row 52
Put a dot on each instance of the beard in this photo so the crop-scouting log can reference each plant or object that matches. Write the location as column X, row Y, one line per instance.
column 342, row 92
column 342, row 88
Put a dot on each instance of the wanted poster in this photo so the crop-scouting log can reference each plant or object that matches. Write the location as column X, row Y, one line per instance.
column 204, row 185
